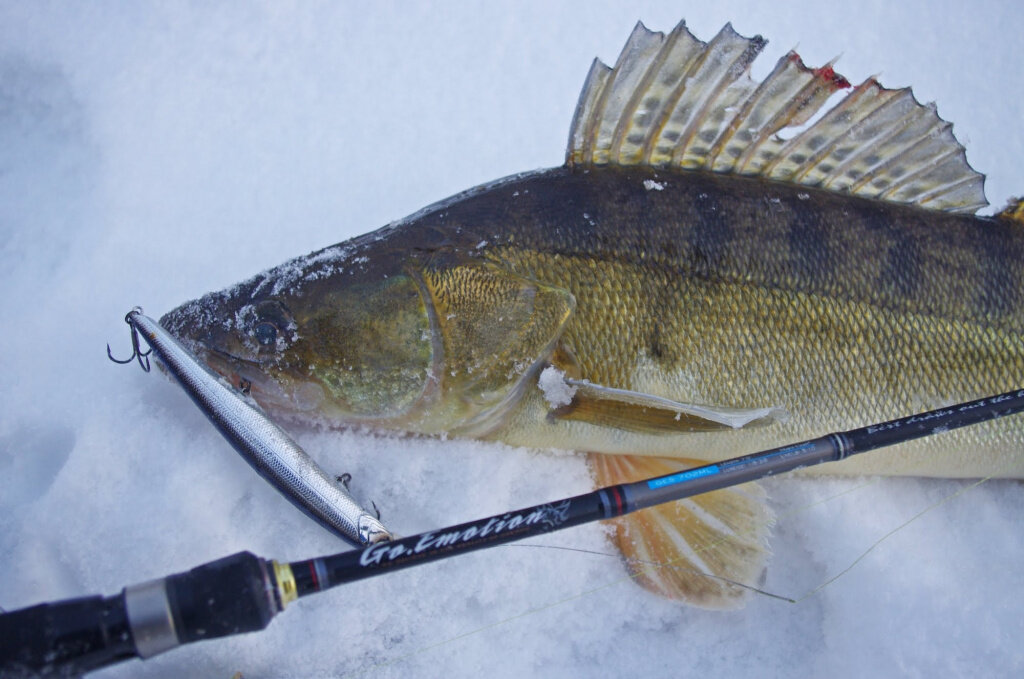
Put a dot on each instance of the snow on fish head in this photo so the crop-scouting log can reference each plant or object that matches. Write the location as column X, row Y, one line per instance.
column 341, row 336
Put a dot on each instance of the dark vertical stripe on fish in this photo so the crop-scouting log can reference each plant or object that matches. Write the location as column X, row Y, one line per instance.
column 710, row 236
column 811, row 254
column 901, row 273
column 997, row 293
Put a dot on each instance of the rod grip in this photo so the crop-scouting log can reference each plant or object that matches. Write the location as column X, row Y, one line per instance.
column 65, row 638
column 233, row 595
column 228, row 596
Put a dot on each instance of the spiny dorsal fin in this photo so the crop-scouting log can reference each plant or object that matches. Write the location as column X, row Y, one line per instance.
column 674, row 101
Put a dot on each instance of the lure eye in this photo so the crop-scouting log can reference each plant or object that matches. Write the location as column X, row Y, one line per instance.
column 266, row 333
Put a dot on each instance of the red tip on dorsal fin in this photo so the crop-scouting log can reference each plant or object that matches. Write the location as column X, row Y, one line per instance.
column 828, row 73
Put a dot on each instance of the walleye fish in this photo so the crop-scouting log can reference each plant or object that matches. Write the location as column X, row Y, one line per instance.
column 714, row 270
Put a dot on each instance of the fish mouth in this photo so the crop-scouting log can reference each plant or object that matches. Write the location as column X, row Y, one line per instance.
column 205, row 328
column 251, row 380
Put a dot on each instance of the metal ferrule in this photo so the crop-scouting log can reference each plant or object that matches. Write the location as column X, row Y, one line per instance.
column 150, row 618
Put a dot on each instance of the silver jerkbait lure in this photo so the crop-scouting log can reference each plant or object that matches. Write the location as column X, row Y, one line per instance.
column 264, row 445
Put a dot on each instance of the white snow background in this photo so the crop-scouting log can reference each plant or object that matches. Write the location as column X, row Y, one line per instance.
column 151, row 152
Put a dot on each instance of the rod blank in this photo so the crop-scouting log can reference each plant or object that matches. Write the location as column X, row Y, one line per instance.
column 241, row 593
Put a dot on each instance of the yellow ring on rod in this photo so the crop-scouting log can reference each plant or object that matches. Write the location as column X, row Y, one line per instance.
column 286, row 587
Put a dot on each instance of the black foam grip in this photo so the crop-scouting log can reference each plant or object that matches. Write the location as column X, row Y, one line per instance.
column 65, row 638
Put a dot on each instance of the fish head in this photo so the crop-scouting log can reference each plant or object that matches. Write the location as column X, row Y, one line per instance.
column 392, row 337
column 327, row 337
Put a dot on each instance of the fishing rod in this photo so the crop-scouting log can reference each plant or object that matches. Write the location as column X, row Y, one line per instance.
column 243, row 592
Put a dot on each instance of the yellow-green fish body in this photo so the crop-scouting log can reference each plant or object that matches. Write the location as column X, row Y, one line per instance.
column 744, row 293
column 689, row 285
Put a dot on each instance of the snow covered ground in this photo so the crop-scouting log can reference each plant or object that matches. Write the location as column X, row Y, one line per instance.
column 149, row 154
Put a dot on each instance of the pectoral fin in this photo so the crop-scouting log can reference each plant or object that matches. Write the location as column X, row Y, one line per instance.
column 645, row 413
column 693, row 550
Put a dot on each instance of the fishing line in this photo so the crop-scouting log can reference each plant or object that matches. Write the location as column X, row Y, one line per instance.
column 796, row 512
column 643, row 562
column 786, row 515
column 629, row 577
column 888, row 535
column 853, row 564
column 707, row 546
column 885, row 537
column 790, row 514
column 817, row 503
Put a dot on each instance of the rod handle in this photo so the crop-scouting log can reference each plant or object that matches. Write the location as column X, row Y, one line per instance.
column 67, row 638
column 233, row 595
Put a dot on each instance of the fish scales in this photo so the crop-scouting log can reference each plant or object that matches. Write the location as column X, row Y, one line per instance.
column 690, row 286
column 838, row 309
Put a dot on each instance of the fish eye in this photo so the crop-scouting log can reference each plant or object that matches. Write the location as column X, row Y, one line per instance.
column 266, row 333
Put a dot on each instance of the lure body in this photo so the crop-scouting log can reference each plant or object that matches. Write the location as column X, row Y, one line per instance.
column 264, row 445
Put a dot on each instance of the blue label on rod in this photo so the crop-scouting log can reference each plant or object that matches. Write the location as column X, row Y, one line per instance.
column 688, row 475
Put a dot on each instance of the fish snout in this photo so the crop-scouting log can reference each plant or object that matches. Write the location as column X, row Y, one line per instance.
column 205, row 327
column 199, row 322
column 215, row 331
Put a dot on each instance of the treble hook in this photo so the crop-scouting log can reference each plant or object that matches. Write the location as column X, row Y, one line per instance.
column 137, row 353
column 344, row 480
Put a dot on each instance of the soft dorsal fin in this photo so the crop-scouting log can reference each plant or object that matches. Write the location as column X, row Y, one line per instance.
column 1013, row 212
column 674, row 101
